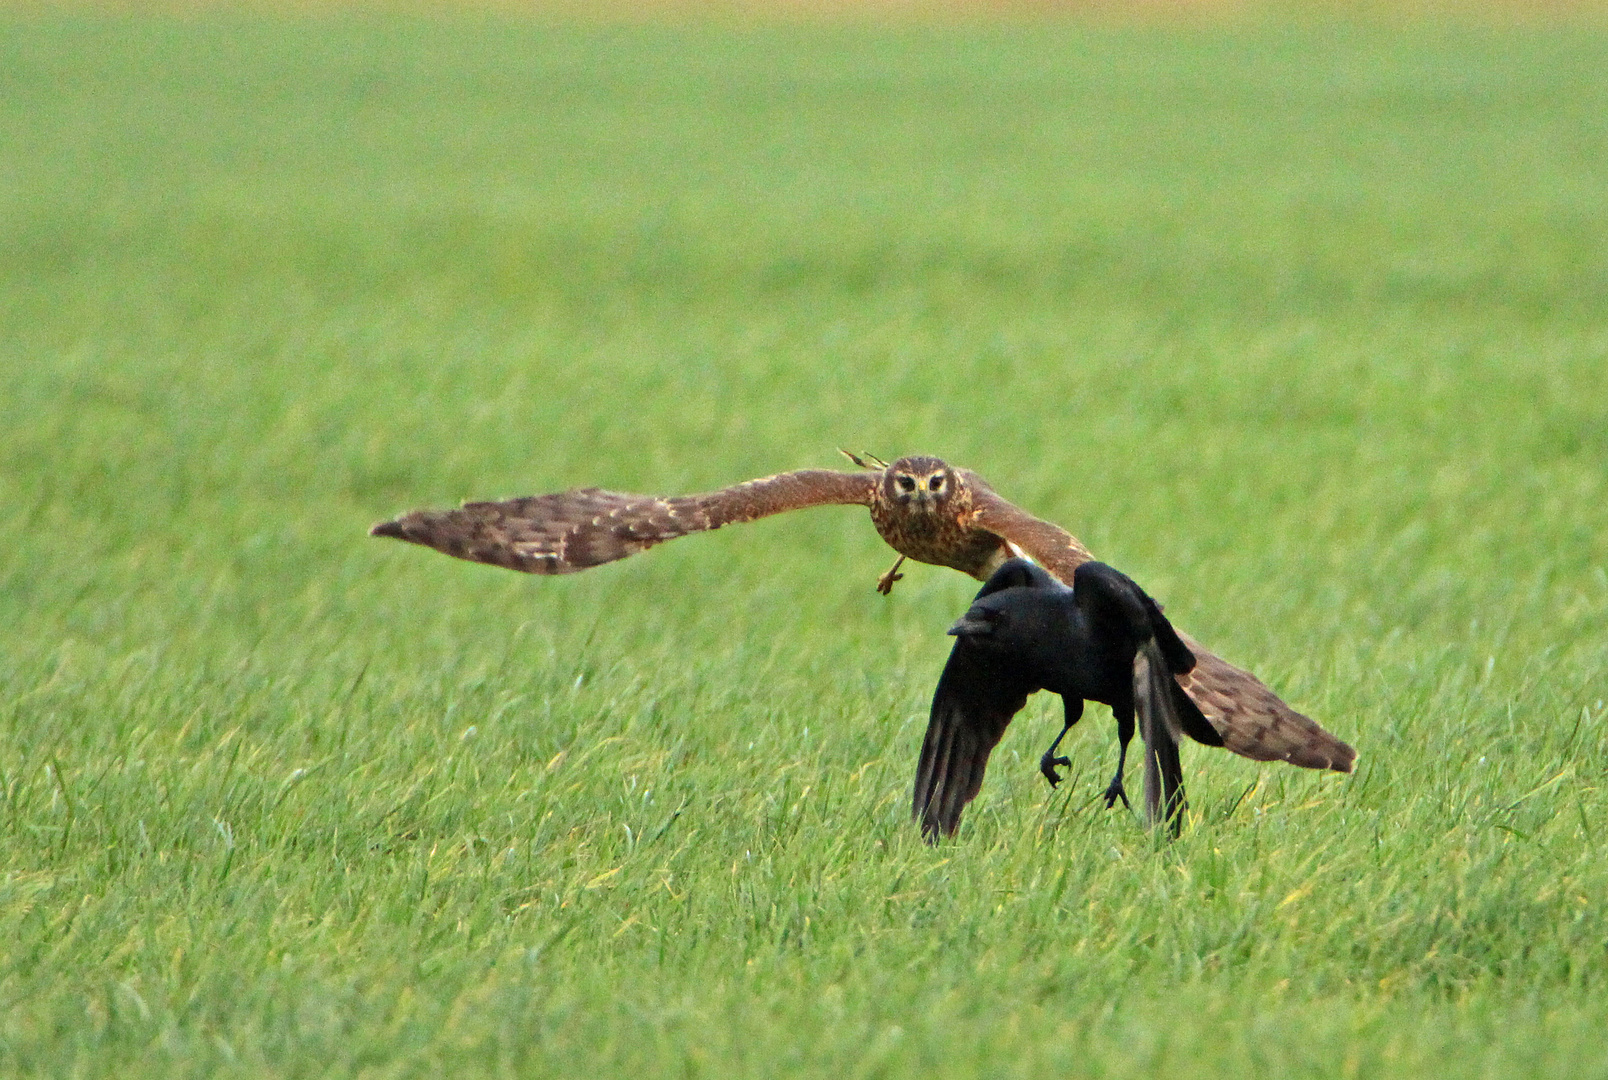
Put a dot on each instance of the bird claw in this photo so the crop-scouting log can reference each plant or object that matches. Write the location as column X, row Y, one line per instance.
column 1047, row 766
column 885, row 582
column 1115, row 792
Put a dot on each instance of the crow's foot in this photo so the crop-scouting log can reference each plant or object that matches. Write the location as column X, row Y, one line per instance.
column 1115, row 792
column 1047, row 766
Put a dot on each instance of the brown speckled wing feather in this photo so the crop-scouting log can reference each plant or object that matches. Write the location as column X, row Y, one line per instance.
column 1252, row 720
column 572, row 530
column 1047, row 544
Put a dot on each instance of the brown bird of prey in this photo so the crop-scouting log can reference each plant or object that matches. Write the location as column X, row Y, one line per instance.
column 924, row 508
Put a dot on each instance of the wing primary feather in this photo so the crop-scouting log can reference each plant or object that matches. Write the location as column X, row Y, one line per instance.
column 1191, row 719
column 1178, row 656
column 1253, row 722
column 947, row 814
column 932, row 808
column 974, row 702
column 1160, row 725
column 966, row 780
column 921, row 798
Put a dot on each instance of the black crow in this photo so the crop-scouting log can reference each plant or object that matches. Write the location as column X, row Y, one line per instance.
column 1101, row 640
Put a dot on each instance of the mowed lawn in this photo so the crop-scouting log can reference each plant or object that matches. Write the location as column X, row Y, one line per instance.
column 1305, row 326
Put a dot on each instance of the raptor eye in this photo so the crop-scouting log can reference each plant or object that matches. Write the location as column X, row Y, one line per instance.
column 935, row 482
column 907, row 483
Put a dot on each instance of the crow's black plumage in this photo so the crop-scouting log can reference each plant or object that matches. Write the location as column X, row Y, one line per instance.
column 1101, row 640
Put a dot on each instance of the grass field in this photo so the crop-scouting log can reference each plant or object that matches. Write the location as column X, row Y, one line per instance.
column 1304, row 326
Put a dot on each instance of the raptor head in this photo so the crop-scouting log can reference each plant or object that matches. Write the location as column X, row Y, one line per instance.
column 921, row 484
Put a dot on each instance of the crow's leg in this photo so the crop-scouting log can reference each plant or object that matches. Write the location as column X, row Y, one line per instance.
column 1047, row 763
column 1124, row 737
column 885, row 582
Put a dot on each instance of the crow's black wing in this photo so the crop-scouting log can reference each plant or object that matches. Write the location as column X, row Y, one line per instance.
column 1156, row 701
column 977, row 696
column 1119, row 617
column 1179, row 659
column 1116, row 606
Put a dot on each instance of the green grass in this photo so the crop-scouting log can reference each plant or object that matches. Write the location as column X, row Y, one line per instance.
column 1303, row 326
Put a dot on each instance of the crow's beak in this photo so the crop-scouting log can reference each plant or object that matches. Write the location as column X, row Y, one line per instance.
column 972, row 624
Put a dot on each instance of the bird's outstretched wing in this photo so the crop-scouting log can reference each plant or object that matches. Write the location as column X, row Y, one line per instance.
column 572, row 530
column 1046, row 543
column 1251, row 719
column 975, row 701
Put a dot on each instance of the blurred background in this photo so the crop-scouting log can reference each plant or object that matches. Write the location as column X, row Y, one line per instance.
column 1297, row 313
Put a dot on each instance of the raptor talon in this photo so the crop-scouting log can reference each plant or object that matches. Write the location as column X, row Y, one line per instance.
column 885, row 582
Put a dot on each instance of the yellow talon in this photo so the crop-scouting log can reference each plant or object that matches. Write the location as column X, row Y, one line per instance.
column 885, row 582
